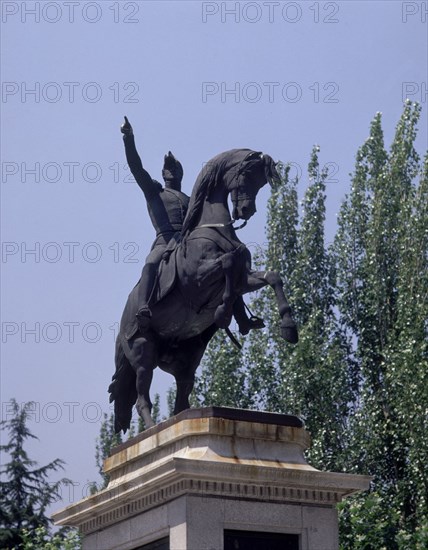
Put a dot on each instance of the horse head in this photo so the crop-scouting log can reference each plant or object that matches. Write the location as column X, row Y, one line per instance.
column 238, row 172
column 250, row 175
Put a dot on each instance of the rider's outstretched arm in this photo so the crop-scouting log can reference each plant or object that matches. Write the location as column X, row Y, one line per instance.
column 142, row 177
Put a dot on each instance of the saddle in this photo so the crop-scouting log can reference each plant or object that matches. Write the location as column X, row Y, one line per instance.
column 177, row 259
column 167, row 274
column 165, row 280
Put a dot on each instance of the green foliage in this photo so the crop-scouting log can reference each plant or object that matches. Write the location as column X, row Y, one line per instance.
column 384, row 306
column 359, row 374
column 25, row 491
column 316, row 378
column 365, row 524
column 223, row 386
column 170, row 399
column 40, row 539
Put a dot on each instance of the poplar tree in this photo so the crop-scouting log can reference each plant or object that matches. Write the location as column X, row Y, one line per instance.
column 381, row 256
column 314, row 379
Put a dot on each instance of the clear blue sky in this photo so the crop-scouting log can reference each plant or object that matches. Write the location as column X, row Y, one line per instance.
column 195, row 78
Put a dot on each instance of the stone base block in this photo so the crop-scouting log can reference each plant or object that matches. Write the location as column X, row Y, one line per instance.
column 214, row 479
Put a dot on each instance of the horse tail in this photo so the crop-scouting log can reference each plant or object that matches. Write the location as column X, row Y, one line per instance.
column 123, row 391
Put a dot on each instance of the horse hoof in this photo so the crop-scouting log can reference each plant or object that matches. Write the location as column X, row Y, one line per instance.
column 148, row 422
column 289, row 333
column 144, row 413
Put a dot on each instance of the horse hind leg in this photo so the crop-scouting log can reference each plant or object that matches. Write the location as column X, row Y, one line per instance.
column 143, row 352
column 144, row 404
column 122, row 390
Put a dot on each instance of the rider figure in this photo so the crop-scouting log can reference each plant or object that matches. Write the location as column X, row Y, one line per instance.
column 167, row 209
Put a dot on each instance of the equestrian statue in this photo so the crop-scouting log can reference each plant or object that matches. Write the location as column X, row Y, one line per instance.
column 194, row 277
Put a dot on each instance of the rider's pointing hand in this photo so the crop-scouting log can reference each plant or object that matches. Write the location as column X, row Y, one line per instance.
column 126, row 128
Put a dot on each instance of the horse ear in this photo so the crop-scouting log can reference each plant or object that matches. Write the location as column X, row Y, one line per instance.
column 271, row 172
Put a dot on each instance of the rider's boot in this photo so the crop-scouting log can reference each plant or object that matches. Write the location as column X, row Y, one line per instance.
column 251, row 323
column 245, row 323
column 147, row 281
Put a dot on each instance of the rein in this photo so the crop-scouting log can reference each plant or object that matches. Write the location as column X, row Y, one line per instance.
column 232, row 338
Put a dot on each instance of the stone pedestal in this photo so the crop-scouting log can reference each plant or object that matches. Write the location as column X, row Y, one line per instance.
column 214, row 479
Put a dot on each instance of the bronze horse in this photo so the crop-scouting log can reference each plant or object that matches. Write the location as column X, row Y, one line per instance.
column 198, row 283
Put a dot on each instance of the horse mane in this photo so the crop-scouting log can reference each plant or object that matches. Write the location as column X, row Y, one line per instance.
column 231, row 163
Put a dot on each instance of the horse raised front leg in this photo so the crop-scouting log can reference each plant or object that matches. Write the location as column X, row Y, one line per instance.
column 288, row 326
column 259, row 279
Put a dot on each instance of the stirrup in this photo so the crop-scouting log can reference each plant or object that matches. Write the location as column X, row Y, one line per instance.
column 251, row 323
